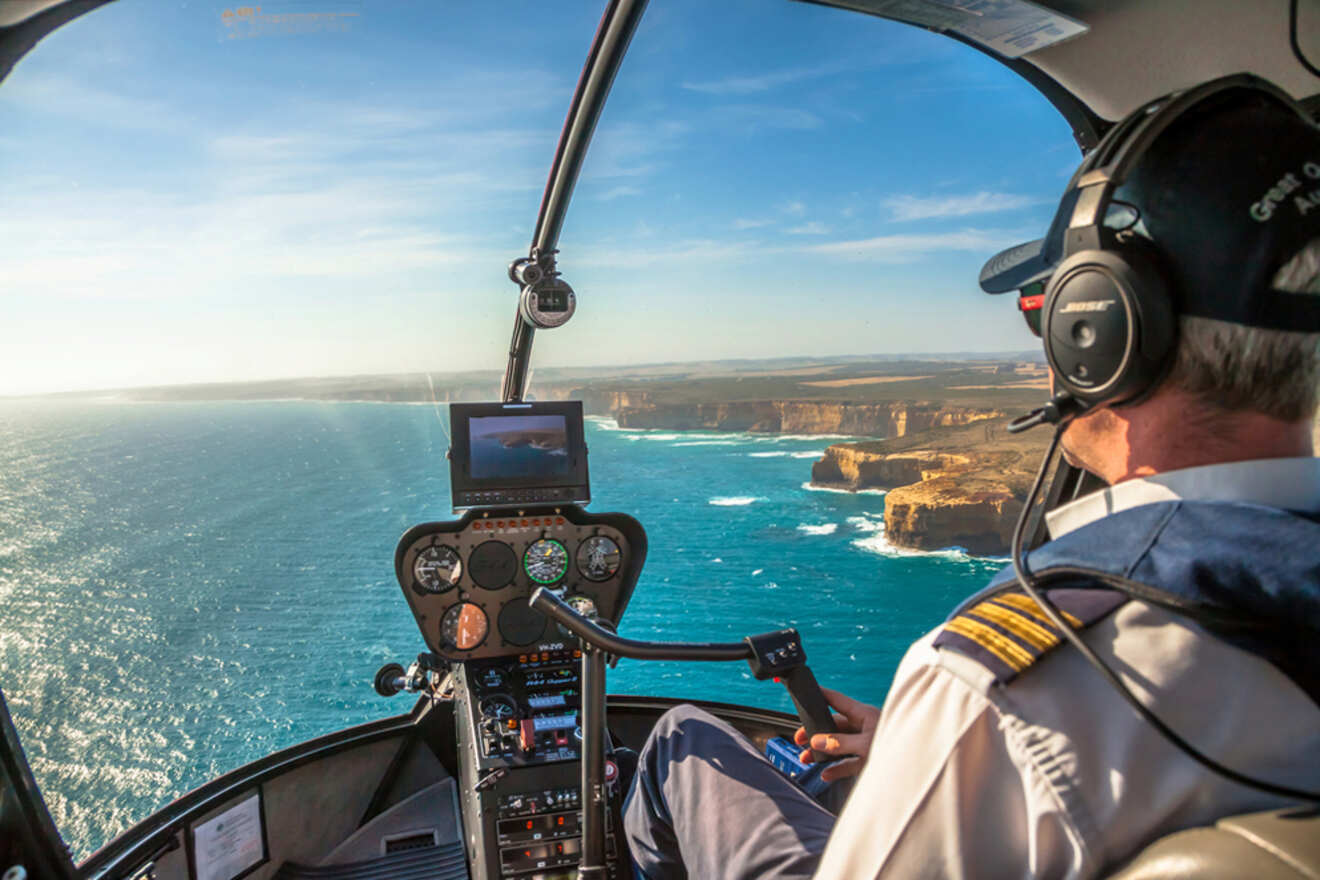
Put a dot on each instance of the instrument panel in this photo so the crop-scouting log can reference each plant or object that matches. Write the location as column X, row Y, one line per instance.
column 468, row 581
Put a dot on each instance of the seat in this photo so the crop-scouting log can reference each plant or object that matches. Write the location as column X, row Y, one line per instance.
column 1275, row 845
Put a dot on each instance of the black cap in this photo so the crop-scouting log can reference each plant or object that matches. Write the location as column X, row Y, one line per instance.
column 1228, row 193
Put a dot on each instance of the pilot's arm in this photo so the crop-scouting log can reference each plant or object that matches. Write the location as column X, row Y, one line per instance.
column 941, row 795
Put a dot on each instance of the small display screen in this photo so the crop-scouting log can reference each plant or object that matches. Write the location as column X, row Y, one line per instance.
column 518, row 453
column 518, row 446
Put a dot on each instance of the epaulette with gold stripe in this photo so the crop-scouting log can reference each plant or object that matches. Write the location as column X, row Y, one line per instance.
column 1007, row 631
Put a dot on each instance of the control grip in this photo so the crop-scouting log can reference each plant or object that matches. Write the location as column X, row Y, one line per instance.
column 808, row 700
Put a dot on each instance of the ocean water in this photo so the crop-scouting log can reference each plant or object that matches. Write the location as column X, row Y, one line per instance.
column 187, row 587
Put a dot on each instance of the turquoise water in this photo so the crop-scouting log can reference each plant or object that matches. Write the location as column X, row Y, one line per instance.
column 187, row 587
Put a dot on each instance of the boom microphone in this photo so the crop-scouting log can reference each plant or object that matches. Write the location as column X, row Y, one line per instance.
column 1061, row 406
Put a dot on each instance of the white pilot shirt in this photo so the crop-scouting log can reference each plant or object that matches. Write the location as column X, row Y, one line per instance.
column 1053, row 775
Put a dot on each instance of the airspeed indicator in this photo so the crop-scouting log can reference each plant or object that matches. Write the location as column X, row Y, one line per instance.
column 546, row 561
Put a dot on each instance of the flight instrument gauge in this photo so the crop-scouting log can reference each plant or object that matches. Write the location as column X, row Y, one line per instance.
column 464, row 627
column 598, row 558
column 437, row 569
column 492, row 678
column 498, row 706
column 546, row 561
column 584, row 605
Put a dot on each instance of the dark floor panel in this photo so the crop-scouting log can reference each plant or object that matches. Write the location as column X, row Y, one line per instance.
column 445, row 862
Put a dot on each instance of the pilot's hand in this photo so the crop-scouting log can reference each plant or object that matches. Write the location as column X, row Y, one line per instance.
column 856, row 723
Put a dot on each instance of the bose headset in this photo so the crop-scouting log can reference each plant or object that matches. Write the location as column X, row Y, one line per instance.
column 1109, row 324
column 1110, row 332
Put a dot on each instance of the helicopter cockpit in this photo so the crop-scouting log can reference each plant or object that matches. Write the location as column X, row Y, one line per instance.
column 513, row 764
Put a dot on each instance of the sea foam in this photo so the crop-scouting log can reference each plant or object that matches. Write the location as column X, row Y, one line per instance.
column 822, row 529
column 812, row 487
column 735, row 501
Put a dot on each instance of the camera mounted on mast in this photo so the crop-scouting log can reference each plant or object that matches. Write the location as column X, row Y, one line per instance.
column 547, row 301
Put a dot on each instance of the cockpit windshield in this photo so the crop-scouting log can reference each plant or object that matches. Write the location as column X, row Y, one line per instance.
column 250, row 252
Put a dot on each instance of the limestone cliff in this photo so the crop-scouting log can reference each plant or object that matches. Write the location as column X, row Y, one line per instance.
column 890, row 419
column 961, row 486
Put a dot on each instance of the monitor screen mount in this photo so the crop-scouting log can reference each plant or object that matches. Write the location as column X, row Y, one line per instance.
column 517, row 453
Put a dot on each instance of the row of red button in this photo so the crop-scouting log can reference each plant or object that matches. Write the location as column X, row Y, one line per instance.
column 513, row 523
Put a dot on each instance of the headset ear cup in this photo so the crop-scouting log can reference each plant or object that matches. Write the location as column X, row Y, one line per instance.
column 1108, row 326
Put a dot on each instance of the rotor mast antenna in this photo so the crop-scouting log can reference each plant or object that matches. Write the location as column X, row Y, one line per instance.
column 615, row 32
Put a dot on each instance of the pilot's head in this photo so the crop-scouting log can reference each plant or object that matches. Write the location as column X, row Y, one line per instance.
column 1179, row 283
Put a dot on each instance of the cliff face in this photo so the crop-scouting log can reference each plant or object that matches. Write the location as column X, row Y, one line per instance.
column 962, row 486
column 953, row 511
column 895, row 419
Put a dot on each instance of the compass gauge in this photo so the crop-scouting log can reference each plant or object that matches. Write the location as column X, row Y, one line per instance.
column 598, row 558
column 546, row 561
column 437, row 570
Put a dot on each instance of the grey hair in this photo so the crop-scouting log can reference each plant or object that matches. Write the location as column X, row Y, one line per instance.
column 1234, row 367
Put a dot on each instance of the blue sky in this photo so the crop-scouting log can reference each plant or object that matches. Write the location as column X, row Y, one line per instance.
column 191, row 200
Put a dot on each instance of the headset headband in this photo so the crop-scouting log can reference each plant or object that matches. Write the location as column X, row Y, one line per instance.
column 1109, row 164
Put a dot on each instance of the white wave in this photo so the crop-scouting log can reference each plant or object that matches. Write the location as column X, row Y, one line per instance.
column 758, row 571
column 811, row 453
column 881, row 545
column 822, row 529
column 717, row 559
column 777, row 454
column 819, row 437
column 867, row 522
column 812, row 487
column 735, row 501
column 709, row 443
column 606, row 423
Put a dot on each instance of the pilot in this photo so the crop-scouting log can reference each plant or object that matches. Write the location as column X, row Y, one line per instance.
column 1000, row 752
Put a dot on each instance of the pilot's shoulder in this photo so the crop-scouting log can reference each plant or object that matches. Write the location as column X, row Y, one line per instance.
column 1004, row 632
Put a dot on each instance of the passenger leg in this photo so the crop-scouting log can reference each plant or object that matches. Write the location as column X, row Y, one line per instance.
column 704, row 804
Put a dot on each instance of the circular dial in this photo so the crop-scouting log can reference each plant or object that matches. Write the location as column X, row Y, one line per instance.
column 492, row 678
column 519, row 623
column 546, row 561
column 437, row 569
column 492, row 565
column 464, row 627
column 584, row 605
column 598, row 558
column 498, row 707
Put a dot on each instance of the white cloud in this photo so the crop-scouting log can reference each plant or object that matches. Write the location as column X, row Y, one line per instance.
column 744, row 118
column 925, row 208
column 706, row 250
column 794, row 208
column 751, row 223
column 905, row 248
column 618, row 192
column 815, row 227
column 749, row 85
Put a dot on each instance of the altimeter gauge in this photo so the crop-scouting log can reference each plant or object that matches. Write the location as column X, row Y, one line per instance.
column 546, row 561
column 437, row 569
column 598, row 558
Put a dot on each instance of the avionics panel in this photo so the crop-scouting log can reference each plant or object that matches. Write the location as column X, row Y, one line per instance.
column 468, row 581
column 517, row 453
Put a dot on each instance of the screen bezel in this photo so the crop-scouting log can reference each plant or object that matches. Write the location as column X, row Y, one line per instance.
column 460, row 450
